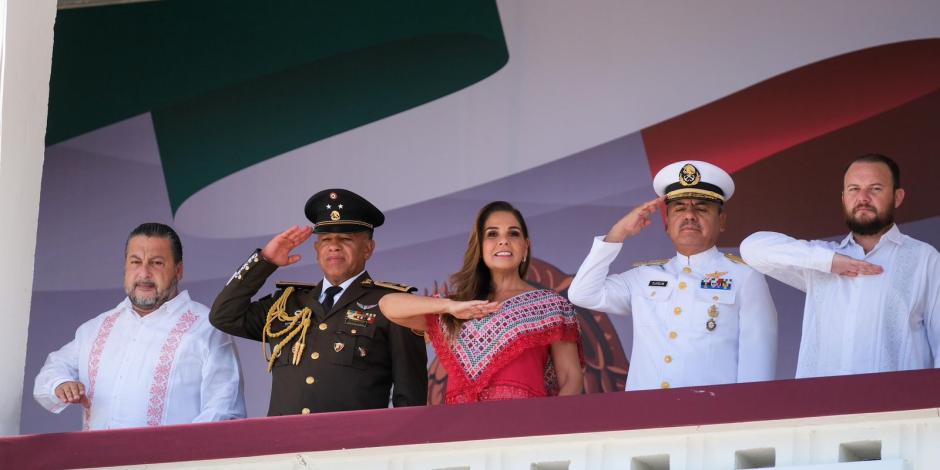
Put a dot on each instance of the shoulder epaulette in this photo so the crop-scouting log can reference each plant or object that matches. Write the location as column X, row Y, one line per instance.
column 735, row 258
column 388, row 285
column 652, row 262
column 295, row 285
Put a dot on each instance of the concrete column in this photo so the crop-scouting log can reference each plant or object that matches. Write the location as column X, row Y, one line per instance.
column 26, row 28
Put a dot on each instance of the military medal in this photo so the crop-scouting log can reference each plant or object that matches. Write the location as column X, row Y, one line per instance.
column 710, row 325
column 716, row 280
column 359, row 318
column 338, row 346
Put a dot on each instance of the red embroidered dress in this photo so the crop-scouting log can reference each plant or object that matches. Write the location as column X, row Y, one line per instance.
column 507, row 354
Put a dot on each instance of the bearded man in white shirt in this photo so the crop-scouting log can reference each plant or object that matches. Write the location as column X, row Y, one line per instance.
column 873, row 298
column 152, row 360
column 700, row 317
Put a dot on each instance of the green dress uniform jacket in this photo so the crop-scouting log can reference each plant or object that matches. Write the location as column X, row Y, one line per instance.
column 352, row 354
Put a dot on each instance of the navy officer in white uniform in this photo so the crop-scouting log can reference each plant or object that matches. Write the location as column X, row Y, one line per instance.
column 699, row 318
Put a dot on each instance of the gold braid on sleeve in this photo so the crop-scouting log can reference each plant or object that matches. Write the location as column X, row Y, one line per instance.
column 299, row 322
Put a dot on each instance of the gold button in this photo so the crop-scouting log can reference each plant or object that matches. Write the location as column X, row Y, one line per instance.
column 353, row 331
column 322, row 326
column 683, row 285
column 673, row 335
column 315, row 355
column 305, row 411
column 662, row 385
column 310, row 380
column 686, row 269
column 677, row 310
column 668, row 359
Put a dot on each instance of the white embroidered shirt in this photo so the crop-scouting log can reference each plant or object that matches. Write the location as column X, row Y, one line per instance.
column 855, row 325
column 168, row 367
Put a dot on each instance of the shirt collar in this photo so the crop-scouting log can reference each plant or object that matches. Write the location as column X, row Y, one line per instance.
column 345, row 284
column 893, row 235
column 698, row 259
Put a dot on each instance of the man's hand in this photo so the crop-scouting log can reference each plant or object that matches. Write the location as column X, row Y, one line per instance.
column 70, row 392
column 634, row 222
column 851, row 267
column 471, row 309
column 278, row 250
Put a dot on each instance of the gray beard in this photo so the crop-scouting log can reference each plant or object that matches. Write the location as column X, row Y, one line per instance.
column 156, row 301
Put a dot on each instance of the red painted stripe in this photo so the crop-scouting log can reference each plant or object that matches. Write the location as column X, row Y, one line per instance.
column 766, row 118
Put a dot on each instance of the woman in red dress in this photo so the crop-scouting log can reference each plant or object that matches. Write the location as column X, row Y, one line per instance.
column 498, row 336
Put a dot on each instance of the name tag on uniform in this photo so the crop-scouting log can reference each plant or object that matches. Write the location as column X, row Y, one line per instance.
column 658, row 283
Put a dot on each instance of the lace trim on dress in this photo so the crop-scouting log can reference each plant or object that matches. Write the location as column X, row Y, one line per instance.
column 484, row 347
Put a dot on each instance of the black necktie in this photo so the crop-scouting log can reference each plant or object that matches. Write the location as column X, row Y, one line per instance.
column 328, row 300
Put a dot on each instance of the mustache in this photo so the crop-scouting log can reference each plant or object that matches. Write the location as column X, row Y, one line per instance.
column 145, row 284
column 690, row 223
column 864, row 206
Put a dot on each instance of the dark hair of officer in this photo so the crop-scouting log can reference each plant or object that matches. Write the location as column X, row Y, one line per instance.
column 474, row 280
column 879, row 158
column 158, row 230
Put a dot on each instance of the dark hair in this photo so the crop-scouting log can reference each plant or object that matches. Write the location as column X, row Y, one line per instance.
column 879, row 158
column 474, row 280
column 154, row 229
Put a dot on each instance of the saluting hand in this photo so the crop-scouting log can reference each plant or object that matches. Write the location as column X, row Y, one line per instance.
column 634, row 222
column 70, row 392
column 278, row 250
column 851, row 267
column 471, row 309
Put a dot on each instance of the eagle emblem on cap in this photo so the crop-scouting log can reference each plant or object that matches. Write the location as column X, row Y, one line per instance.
column 689, row 175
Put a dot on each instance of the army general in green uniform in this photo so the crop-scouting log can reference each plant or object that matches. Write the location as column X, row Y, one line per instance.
column 331, row 348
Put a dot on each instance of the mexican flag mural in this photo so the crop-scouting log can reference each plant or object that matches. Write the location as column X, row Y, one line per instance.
column 222, row 118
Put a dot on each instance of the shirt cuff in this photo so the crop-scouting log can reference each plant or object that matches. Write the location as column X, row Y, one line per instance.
column 600, row 243
column 821, row 259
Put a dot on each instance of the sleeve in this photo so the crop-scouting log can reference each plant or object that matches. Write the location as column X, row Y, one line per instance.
column 786, row 259
column 221, row 393
column 593, row 289
column 932, row 315
column 233, row 311
column 61, row 366
column 409, row 367
column 757, row 332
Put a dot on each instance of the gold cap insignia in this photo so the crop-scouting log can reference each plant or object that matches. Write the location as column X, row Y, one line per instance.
column 689, row 175
column 334, row 215
column 333, row 196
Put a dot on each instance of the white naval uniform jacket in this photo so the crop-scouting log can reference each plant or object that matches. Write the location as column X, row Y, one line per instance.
column 670, row 302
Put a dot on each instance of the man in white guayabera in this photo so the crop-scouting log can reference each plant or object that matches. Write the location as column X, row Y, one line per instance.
column 873, row 298
column 152, row 360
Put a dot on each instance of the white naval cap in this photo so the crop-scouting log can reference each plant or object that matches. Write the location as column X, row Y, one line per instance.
column 693, row 179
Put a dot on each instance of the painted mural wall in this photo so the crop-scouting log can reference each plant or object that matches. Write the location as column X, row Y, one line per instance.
column 222, row 118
